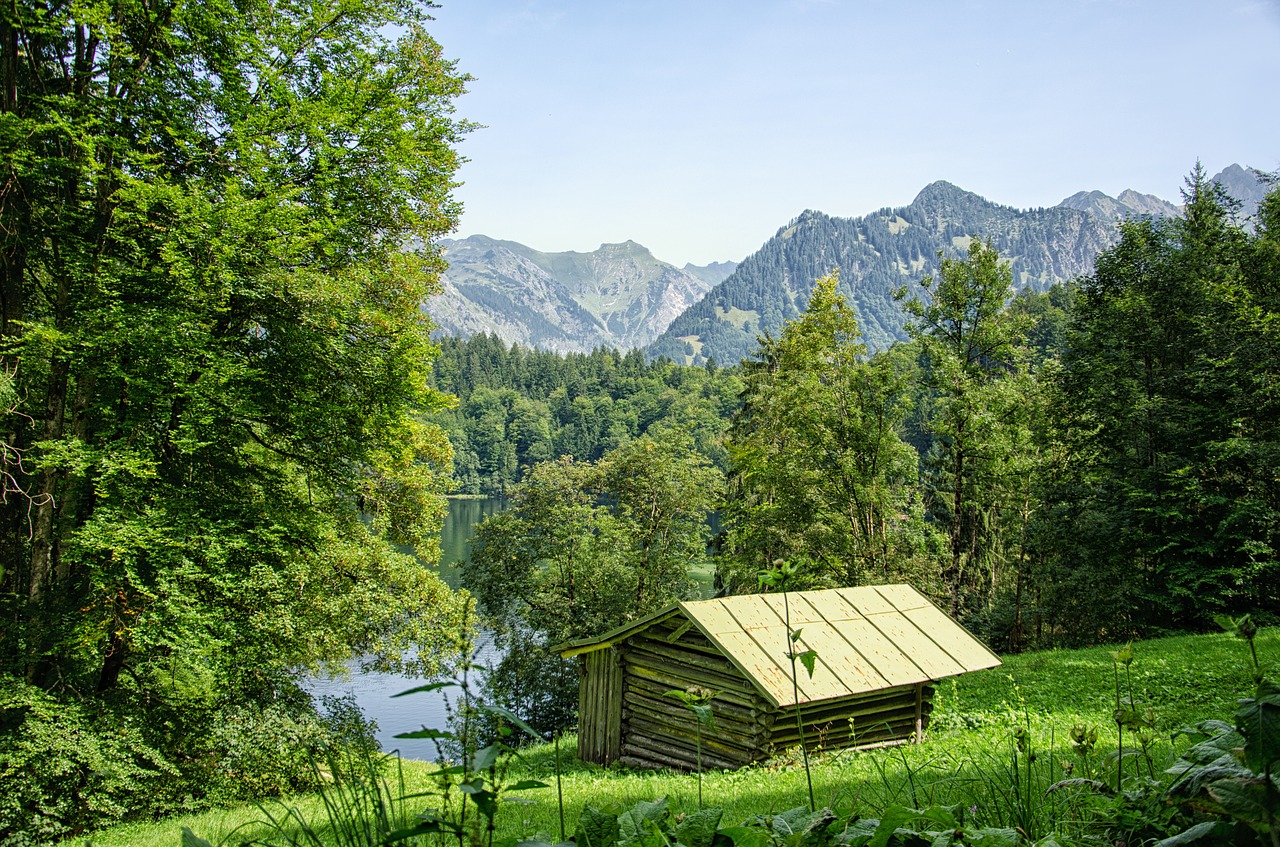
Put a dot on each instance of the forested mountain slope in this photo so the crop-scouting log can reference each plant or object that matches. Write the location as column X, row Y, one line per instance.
column 618, row 296
column 886, row 249
column 875, row 254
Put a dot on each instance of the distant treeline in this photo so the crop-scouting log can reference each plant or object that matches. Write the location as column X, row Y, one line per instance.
column 518, row 406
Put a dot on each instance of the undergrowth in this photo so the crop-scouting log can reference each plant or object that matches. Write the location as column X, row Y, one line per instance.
column 1023, row 754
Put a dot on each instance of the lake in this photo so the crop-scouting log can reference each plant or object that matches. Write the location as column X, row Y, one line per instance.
column 373, row 691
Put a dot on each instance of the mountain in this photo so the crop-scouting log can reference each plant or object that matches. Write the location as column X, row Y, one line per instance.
column 1245, row 185
column 1128, row 205
column 616, row 296
column 875, row 254
column 889, row 248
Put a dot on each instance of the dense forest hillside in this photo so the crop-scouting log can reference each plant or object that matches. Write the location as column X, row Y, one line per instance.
column 617, row 296
column 519, row 406
column 889, row 248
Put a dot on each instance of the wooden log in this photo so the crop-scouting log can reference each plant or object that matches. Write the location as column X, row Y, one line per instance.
column 842, row 738
column 642, row 727
column 720, row 705
column 723, row 724
column 691, row 639
column 662, row 756
column 705, row 672
column 662, row 737
column 665, row 677
column 692, row 658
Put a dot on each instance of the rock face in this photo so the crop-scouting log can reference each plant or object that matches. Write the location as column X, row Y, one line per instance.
column 1245, row 185
column 1128, row 205
column 621, row 296
column 874, row 255
column 884, row 250
column 617, row 296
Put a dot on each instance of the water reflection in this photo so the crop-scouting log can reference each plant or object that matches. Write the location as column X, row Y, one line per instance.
column 374, row 692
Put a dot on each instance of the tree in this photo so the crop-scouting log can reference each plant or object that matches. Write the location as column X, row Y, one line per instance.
column 818, row 468
column 584, row 548
column 1168, row 408
column 971, row 348
column 217, row 226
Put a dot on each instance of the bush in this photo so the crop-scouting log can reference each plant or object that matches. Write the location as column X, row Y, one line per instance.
column 66, row 768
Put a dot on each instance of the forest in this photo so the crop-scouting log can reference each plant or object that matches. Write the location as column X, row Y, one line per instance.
column 228, row 433
column 1091, row 464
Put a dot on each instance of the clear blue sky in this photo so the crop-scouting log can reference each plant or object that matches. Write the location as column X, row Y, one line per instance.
column 699, row 127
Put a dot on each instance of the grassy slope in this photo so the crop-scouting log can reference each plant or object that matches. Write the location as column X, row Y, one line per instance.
column 1184, row 679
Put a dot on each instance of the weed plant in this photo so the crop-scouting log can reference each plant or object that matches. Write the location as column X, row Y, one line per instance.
column 1057, row 786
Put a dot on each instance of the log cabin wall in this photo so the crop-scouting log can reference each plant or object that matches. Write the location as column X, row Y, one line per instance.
column 599, row 706
column 889, row 643
column 659, row 731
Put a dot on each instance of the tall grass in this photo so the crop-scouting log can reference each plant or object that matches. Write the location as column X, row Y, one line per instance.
column 1055, row 701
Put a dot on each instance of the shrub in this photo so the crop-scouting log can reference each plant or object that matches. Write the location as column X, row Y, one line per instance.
column 66, row 767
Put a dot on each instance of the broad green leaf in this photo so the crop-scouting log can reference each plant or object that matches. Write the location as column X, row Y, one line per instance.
column 745, row 836
column 636, row 823
column 190, row 839
column 596, row 828
column 699, row 828
column 1218, row 831
column 809, row 659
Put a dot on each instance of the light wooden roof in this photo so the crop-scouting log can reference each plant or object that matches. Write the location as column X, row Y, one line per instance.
column 866, row 639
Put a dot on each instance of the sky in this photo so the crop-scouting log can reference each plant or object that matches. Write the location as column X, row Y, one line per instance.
column 698, row 128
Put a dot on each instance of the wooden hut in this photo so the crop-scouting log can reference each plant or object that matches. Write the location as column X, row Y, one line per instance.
column 879, row 650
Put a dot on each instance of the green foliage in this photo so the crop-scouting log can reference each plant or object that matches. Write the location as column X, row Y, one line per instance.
column 521, row 406
column 981, row 395
column 62, row 773
column 1234, row 770
column 219, row 224
column 818, row 467
column 1165, row 505
column 587, row 546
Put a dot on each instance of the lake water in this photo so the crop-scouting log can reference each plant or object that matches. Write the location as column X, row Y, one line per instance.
column 374, row 691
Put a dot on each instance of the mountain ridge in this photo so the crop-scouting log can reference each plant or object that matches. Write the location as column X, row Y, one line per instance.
column 619, row 295
column 881, row 251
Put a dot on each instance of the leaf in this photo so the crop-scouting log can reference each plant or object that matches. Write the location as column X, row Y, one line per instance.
column 745, row 836
column 427, row 733
column 1245, row 799
column 1219, row 831
column 942, row 815
column 1258, row 721
column 808, row 658
column 633, row 824
column 699, row 828
column 991, row 837
column 596, row 828
column 795, row 636
column 704, row 715
column 510, row 718
column 429, row 824
column 190, row 839
column 893, row 818
column 486, row 801
column 802, row 828
column 525, row 785
column 435, row 686
column 485, row 757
